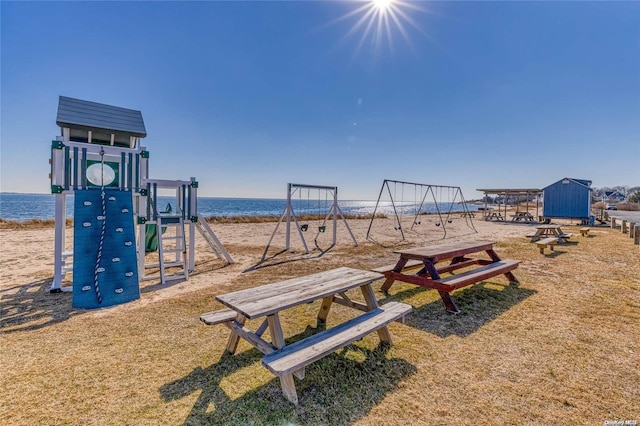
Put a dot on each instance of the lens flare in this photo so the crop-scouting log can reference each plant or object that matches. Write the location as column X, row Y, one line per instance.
column 382, row 5
column 377, row 22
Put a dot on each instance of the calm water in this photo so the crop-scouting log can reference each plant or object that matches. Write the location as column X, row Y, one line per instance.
column 41, row 206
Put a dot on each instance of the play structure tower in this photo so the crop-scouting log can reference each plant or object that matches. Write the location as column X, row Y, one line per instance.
column 100, row 161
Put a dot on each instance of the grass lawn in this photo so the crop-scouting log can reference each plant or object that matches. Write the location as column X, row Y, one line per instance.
column 561, row 347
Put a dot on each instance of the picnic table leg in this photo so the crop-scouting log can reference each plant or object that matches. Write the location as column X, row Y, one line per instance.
column 324, row 311
column 234, row 338
column 449, row 304
column 286, row 381
column 372, row 303
column 398, row 268
column 494, row 256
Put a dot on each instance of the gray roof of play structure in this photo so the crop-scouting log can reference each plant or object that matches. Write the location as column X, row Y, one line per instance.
column 76, row 113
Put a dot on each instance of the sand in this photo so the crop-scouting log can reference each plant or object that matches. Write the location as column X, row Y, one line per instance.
column 26, row 256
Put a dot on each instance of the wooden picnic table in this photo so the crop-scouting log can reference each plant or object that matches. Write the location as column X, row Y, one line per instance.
column 494, row 215
column 468, row 213
column 522, row 216
column 269, row 301
column 430, row 275
column 545, row 231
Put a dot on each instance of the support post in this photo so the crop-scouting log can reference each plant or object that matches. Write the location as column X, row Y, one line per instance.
column 59, row 243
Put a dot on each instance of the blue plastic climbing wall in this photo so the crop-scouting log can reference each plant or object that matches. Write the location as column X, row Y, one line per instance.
column 105, row 267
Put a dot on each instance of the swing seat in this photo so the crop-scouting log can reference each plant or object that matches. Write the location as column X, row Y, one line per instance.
column 321, row 228
column 304, row 227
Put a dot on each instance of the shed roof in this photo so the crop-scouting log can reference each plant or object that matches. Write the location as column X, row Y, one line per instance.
column 581, row 182
column 512, row 191
column 92, row 115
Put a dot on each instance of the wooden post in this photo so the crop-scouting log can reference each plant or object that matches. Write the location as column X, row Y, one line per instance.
column 632, row 229
column 636, row 237
column 613, row 223
column 623, row 228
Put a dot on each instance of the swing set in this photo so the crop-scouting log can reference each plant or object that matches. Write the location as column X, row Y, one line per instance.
column 416, row 206
column 325, row 206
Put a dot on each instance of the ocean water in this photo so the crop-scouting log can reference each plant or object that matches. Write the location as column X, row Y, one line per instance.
column 22, row 207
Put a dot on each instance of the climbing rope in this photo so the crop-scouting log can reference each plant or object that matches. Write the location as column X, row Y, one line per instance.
column 103, row 217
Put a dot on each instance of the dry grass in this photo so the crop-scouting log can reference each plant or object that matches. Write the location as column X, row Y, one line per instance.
column 49, row 223
column 560, row 347
column 29, row 224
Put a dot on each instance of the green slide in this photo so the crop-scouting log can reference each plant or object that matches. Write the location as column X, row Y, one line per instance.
column 151, row 233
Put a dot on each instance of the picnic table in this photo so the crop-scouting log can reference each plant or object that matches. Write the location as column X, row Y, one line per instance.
column 494, row 215
column 468, row 213
column 522, row 216
column 430, row 275
column 549, row 231
column 271, row 300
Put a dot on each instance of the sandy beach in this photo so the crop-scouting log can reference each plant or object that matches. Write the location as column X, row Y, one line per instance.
column 28, row 254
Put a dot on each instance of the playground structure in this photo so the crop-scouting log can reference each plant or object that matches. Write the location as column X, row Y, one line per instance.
column 417, row 209
column 326, row 207
column 99, row 160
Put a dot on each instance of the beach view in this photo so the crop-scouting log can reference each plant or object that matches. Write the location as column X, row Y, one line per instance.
column 320, row 213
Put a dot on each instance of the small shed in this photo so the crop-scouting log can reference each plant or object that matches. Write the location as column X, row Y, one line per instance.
column 567, row 199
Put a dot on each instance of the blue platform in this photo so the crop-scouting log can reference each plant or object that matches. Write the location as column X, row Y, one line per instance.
column 117, row 268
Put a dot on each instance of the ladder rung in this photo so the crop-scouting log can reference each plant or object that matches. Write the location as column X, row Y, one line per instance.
column 172, row 264
column 173, row 251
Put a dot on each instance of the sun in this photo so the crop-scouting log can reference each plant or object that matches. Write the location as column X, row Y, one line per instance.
column 382, row 5
column 377, row 22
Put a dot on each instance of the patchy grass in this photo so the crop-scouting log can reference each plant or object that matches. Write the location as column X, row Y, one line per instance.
column 560, row 347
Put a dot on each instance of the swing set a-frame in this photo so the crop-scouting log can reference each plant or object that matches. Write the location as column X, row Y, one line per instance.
column 329, row 209
column 410, row 201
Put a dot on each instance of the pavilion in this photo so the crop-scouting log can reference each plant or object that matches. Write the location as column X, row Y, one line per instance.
column 517, row 194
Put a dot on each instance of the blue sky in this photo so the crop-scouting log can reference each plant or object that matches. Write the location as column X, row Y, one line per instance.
column 247, row 96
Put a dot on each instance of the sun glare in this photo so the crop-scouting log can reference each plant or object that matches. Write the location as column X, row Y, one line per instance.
column 379, row 21
column 382, row 5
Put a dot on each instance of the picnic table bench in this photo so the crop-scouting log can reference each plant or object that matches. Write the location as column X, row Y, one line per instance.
column 270, row 300
column 429, row 276
column 494, row 215
column 544, row 231
column 547, row 242
column 522, row 216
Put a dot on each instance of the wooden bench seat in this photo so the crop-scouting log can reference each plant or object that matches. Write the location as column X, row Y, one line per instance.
column 412, row 263
column 479, row 274
column 565, row 235
column 584, row 231
column 298, row 355
column 550, row 242
column 218, row 317
column 388, row 268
